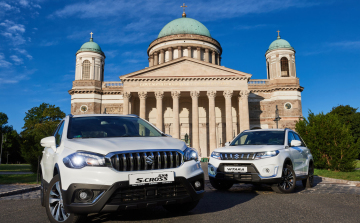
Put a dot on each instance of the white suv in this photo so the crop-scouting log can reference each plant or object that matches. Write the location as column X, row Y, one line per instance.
column 106, row 163
column 278, row 157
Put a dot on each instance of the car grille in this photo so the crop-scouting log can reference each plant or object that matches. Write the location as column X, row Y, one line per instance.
column 237, row 156
column 148, row 193
column 137, row 161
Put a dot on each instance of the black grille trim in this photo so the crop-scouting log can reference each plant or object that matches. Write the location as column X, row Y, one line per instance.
column 148, row 193
column 237, row 156
column 137, row 160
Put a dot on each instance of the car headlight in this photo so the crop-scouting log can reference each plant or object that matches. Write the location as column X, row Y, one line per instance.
column 216, row 155
column 191, row 154
column 79, row 160
column 268, row 154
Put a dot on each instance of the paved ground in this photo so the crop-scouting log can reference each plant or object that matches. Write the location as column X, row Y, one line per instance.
column 14, row 172
column 325, row 203
column 11, row 187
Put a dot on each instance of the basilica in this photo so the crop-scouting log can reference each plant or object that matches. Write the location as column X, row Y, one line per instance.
column 185, row 91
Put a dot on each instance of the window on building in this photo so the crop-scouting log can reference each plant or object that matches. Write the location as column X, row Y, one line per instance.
column 102, row 72
column 86, row 70
column 284, row 67
column 268, row 69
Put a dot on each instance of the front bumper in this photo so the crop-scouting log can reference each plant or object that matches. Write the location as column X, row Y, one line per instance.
column 251, row 176
column 121, row 196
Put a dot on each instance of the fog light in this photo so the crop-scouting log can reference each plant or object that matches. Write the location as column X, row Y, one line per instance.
column 197, row 184
column 212, row 168
column 85, row 195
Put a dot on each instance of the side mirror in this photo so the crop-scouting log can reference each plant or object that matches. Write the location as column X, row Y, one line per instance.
column 49, row 142
column 227, row 144
column 295, row 143
column 168, row 135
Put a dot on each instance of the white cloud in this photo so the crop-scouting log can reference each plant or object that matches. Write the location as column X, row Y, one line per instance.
column 3, row 62
column 24, row 3
column 16, row 59
column 13, row 31
column 24, row 52
column 5, row 6
column 346, row 44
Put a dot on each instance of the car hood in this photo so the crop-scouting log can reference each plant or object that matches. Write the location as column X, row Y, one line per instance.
column 107, row 145
column 248, row 148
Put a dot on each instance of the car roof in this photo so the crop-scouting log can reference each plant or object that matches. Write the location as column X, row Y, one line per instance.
column 256, row 130
column 97, row 115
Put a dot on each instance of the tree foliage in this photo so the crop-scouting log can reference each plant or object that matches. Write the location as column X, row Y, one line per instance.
column 3, row 119
column 40, row 122
column 330, row 141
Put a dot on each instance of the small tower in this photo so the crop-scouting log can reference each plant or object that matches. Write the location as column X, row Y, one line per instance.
column 89, row 75
column 280, row 59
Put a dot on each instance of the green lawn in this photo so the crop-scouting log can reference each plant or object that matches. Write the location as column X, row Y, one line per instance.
column 18, row 178
column 15, row 167
column 353, row 176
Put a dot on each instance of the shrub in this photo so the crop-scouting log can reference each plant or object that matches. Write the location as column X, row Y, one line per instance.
column 330, row 141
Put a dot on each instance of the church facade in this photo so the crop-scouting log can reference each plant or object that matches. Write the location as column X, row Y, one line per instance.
column 186, row 91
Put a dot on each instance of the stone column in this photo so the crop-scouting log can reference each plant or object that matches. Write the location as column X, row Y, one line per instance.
column 212, row 120
column 228, row 109
column 179, row 52
column 189, row 51
column 195, row 119
column 206, row 55
column 218, row 59
column 151, row 60
column 176, row 129
column 213, row 57
column 159, row 117
column 126, row 97
column 244, row 110
column 156, row 59
column 198, row 53
column 170, row 49
column 142, row 96
column 162, row 56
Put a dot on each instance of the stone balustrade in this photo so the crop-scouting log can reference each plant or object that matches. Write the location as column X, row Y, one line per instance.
column 259, row 82
column 112, row 84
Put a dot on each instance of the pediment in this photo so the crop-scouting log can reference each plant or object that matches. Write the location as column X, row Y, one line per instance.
column 185, row 67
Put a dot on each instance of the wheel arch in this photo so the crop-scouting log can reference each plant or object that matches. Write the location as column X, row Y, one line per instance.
column 288, row 161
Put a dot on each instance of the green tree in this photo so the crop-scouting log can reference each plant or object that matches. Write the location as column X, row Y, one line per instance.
column 40, row 122
column 330, row 141
column 3, row 119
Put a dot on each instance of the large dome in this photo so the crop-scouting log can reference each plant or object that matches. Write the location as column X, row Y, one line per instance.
column 279, row 43
column 184, row 26
column 90, row 46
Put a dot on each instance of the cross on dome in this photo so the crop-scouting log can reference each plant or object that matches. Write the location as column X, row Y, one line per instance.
column 183, row 6
column 278, row 34
column 91, row 34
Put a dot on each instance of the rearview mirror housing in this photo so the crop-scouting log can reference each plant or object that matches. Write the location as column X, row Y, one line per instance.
column 49, row 142
column 227, row 144
column 295, row 143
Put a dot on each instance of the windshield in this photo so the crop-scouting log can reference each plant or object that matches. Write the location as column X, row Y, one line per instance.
column 110, row 126
column 259, row 138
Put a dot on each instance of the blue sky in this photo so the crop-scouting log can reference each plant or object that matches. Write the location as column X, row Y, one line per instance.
column 39, row 39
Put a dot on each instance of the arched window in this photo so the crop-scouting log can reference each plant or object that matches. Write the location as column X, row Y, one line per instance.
column 86, row 70
column 284, row 67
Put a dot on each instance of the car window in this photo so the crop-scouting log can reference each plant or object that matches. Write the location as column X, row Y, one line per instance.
column 110, row 126
column 297, row 137
column 58, row 134
column 290, row 138
column 259, row 138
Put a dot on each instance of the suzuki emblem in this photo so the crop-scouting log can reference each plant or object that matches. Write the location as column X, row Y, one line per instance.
column 236, row 156
column 150, row 160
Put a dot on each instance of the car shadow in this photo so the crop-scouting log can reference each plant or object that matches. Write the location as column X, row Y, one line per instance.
column 213, row 201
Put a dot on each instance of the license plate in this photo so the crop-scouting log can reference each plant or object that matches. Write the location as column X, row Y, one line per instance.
column 235, row 169
column 151, row 178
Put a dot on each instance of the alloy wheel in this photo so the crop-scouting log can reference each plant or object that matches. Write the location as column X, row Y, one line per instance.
column 287, row 179
column 56, row 203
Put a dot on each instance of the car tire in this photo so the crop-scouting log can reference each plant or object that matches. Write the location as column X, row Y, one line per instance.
column 181, row 208
column 288, row 181
column 220, row 184
column 309, row 181
column 55, row 210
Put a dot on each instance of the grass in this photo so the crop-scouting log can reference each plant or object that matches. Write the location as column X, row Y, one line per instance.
column 15, row 167
column 353, row 176
column 18, row 178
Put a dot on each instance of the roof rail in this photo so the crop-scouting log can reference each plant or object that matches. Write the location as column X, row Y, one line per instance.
column 134, row 115
column 70, row 115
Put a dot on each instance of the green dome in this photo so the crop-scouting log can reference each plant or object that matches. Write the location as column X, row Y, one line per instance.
column 184, row 26
column 279, row 43
column 90, row 46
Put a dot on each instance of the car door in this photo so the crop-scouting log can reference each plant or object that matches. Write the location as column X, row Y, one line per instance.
column 295, row 153
column 304, row 154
